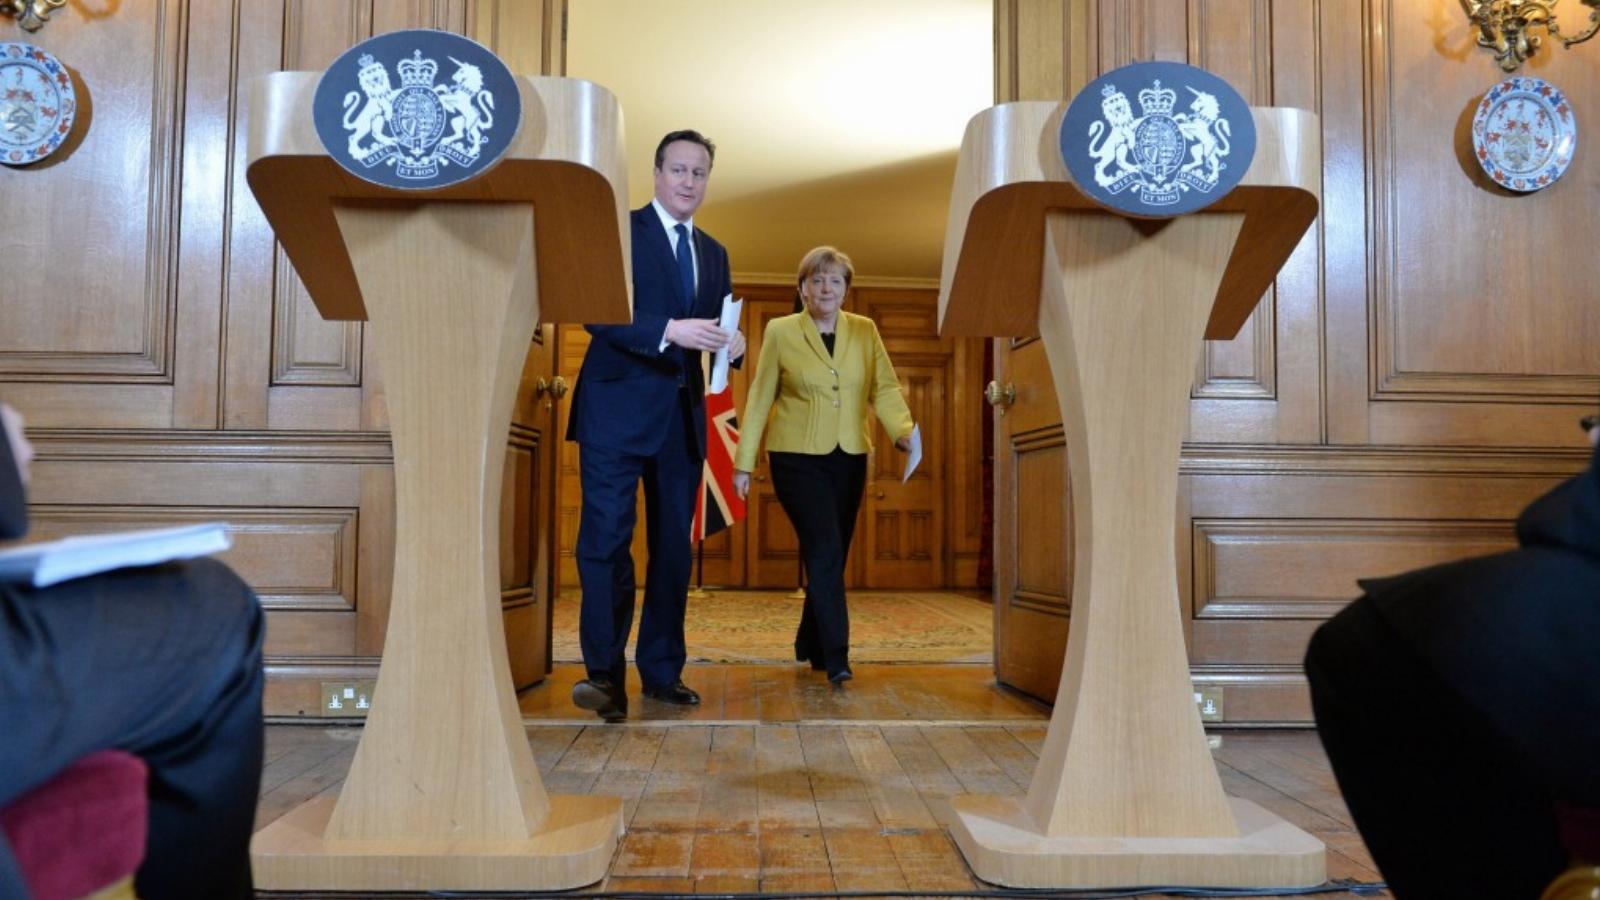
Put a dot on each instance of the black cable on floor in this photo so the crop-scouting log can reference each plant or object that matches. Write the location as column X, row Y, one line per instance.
column 1336, row 886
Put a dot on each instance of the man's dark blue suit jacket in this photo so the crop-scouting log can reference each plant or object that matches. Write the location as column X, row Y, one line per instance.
column 628, row 385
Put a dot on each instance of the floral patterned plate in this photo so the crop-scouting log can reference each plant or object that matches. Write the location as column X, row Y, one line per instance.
column 37, row 104
column 1524, row 133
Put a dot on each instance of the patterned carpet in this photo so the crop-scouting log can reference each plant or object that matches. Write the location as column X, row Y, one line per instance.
column 758, row 626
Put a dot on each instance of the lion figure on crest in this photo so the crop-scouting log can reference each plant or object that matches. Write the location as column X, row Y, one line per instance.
column 1208, row 132
column 1115, row 145
column 373, row 117
column 470, row 107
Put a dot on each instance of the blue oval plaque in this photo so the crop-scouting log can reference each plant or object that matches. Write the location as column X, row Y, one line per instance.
column 1157, row 139
column 450, row 117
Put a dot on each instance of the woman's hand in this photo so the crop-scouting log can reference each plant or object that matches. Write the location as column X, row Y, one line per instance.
column 903, row 444
column 741, row 483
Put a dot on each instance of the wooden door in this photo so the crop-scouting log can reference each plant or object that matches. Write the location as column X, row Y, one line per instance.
column 1032, row 524
column 900, row 531
column 772, row 549
column 528, row 580
column 530, row 39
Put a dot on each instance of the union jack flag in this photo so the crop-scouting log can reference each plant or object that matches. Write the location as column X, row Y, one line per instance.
column 718, row 506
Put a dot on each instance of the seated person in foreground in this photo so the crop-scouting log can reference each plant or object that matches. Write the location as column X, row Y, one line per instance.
column 1460, row 706
column 163, row 662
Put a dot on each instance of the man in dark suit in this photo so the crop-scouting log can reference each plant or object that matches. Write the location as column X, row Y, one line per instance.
column 163, row 662
column 1460, row 706
column 639, row 413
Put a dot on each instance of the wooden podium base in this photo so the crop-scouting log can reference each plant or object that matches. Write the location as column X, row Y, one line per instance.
column 572, row 849
column 1004, row 847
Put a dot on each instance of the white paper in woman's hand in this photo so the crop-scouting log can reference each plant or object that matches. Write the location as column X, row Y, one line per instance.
column 914, row 455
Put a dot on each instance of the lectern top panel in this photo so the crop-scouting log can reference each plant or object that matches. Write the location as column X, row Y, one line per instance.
column 1010, row 176
column 567, row 163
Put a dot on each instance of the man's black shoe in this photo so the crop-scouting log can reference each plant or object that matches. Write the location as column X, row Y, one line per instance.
column 841, row 676
column 608, row 700
column 678, row 693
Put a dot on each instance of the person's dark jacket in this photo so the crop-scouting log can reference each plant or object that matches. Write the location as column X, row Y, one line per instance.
column 13, row 500
column 1517, row 634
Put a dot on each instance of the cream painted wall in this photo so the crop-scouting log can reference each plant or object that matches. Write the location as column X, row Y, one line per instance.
column 836, row 121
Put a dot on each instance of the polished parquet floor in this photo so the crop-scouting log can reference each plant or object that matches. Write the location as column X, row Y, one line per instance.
column 780, row 783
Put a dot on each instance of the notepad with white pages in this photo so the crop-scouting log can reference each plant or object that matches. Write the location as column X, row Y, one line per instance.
column 51, row 562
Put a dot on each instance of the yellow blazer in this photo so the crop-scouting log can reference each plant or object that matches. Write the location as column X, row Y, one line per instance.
column 817, row 401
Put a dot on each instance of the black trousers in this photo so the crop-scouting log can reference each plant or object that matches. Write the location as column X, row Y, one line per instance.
column 1447, row 804
column 163, row 662
column 610, row 480
column 821, row 494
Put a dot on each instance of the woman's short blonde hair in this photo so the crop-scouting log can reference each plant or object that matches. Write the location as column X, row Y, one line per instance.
column 825, row 257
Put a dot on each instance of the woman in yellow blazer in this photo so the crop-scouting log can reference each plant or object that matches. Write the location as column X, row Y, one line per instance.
column 819, row 373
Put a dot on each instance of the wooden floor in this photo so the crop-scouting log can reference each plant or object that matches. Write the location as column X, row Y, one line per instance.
column 794, row 693
column 780, row 783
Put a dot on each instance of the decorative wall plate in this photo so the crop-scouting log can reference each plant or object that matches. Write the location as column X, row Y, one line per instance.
column 37, row 104
column 1524, row 133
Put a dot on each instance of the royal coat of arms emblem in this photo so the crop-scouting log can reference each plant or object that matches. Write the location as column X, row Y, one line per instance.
column 37, row 104
column 428, row 132
column 1163, row 160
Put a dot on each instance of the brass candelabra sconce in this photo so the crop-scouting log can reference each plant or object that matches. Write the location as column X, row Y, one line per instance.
column 1504, row 27
column 31, row 14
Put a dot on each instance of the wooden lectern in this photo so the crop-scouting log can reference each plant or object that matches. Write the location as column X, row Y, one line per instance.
column 443, row 792
column 1126, row 792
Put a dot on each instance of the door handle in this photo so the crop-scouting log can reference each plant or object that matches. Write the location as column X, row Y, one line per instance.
column 879, row 495
column 999, row 396
column 557, row 387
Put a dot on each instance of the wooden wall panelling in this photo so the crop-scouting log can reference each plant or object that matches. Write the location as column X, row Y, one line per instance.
column 1341, row 44
column 530, row 36
column 114, row 340
column 255, row 265
column 1510, row 343
column 301, row 506
column 1044, row 48
column 318, row 376
column 965, row 499
column 209, row 328
column 1277, row 540
column 1238, row 40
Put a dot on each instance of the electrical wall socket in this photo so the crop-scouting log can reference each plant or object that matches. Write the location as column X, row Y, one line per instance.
column 346, row 699
column 1209, row 700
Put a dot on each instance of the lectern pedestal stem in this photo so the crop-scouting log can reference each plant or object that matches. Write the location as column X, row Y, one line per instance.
column 443, row 791
column 1126, row 791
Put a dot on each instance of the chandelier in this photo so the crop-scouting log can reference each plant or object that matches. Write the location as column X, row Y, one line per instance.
column 1504, row 26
